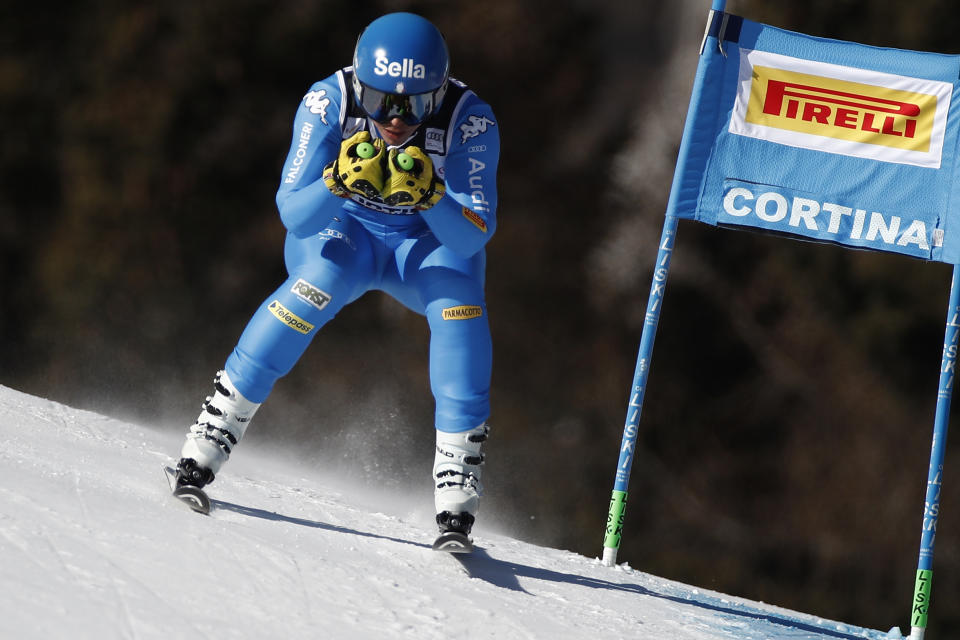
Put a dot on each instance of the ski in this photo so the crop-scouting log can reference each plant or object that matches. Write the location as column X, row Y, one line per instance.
column 194, row 497
column 453, row 542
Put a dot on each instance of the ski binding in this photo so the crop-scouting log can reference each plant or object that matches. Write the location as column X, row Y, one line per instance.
column 194, row 497
column 453, row 542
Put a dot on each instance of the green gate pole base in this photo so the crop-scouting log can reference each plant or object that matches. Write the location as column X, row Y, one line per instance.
column 921, row 604
column 611, row 542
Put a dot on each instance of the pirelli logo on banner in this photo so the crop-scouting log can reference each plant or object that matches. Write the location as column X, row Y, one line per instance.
column 843, row 110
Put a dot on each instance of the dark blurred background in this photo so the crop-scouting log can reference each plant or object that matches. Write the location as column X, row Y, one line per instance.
column 786, row 431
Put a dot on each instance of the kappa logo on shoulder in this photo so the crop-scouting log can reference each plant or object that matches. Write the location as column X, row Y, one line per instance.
column 474, row 126
column 317, row 102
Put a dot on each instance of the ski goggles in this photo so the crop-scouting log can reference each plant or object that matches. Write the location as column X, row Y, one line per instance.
column 411, row 109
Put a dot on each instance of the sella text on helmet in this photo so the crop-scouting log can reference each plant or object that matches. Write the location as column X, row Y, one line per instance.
column 405, row 69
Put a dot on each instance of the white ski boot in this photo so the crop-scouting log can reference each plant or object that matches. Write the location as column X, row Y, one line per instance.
column 219, row 427
column 456, row 472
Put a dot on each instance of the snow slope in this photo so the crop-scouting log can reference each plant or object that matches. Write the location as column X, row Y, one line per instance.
column 93, row 547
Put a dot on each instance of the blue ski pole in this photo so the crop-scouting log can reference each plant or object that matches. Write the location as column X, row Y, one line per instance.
column 931, row 508
column 618, row 500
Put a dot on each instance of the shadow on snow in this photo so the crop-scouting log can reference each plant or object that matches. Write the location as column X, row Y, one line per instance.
column 506, row 575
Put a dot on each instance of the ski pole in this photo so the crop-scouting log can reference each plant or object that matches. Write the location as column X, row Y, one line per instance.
column 618, row 500
column 931, row 507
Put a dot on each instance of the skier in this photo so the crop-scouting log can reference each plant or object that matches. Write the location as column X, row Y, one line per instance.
column 389, row 184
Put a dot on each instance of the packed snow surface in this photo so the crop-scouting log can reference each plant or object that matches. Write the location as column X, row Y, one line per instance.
column 93, row 547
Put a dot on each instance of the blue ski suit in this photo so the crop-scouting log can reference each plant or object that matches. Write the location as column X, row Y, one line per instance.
column 336, row 249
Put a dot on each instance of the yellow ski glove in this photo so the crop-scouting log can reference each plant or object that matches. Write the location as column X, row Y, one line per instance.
column 358, row 168
column 410, row 179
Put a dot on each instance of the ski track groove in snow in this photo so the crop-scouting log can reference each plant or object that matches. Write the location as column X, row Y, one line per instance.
column 93, row 547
